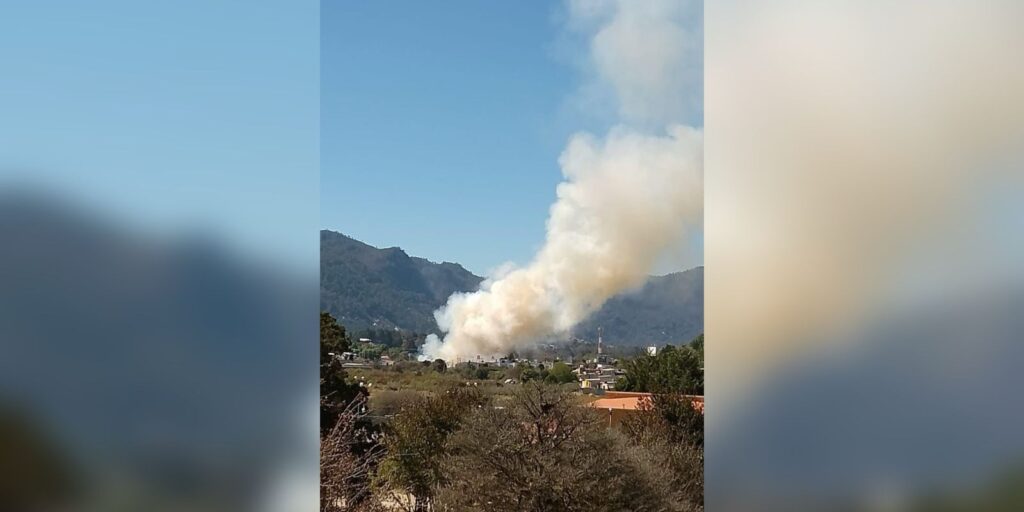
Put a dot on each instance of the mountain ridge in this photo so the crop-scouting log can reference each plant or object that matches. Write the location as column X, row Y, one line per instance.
column 366, row 287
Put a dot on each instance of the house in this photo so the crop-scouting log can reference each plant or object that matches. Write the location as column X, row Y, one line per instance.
column 598, row 376
column 622, row 404
column 593, row 384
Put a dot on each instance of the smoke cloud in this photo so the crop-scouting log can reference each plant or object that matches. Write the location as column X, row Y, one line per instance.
column 645, row 58
column 626, row 197
column 863, row 245
column 842, row 150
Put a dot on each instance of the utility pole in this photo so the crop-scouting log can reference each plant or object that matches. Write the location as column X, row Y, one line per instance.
column 599, row 331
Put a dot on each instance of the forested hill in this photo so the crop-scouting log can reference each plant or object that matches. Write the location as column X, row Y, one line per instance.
column 365, row 287
column 668, row 309
column 369, row 288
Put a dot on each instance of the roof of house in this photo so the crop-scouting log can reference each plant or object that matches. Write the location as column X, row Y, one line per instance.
column 633, row 401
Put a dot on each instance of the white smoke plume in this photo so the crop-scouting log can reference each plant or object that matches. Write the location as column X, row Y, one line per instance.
column 853, row 147
column 644, row 58
column 626, row 198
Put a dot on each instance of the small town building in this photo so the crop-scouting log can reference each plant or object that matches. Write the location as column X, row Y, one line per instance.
column 619, row 405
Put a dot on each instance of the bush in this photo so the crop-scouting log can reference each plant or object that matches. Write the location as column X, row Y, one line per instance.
column 440, row 366
column 560, row 374
column 542, row 452
column 348, row 456
column 385, row 403
column 668, row 436
column 673, row 370
column 416, row 441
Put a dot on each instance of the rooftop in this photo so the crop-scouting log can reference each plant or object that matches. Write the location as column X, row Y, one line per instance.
column 633, row 401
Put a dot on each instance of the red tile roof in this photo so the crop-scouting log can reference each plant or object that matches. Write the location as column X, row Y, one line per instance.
column 634, row 401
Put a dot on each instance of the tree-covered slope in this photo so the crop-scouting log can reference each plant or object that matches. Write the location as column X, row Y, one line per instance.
column 365, row 287
column 667, row 309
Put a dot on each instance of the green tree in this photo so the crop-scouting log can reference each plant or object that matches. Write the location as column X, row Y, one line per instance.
column 409, row 344
column 698, row 345
column 416, row 442
column 333, row 338
column 516, row 372
column 528, row 373
column 672, row 416
column 440, row 366
column 672, row 370
column 370, row 351
column 669, row 431
column 561, row 373
column 542, row 452
column 335, row 390
column 394, row 353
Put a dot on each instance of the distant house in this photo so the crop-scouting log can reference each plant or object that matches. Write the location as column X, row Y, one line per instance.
column 597, row 376
column 619, row 405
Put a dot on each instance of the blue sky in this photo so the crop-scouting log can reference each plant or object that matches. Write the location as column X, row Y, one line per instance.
column 441, row 128
column 170, row 116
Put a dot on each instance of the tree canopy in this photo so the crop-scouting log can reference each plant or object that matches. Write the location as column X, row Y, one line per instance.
column 416, row 440
column 336, row 392
column 439, row 365
column 672, row 370
column 560, row 373
column 542, row 452
column 333, row 338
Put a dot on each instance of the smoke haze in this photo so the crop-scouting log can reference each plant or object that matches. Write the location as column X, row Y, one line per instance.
column 863, row 249
column 841, row 151
column 626, row 198
column 644, row 59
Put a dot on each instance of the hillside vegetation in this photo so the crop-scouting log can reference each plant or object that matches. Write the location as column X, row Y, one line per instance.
column 373, row 290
